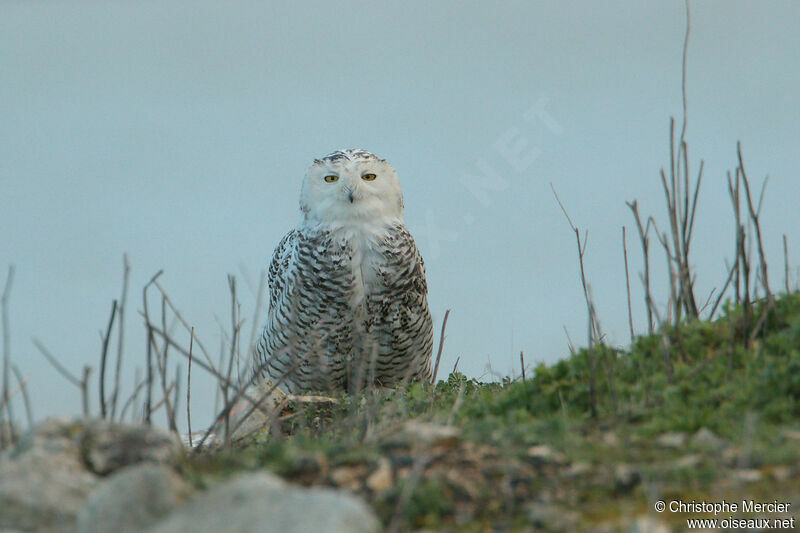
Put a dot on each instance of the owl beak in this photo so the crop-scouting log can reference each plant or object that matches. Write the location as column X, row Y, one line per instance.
column 350, row 196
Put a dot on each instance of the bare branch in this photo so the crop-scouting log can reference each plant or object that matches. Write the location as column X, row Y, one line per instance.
column 594, row 327
column 786, row 265
column 645, row 241
column 441, row 346
column 150, row 341
column 189, row 389
column 627, row 281
column 103, row 354
column 754, row 218
column 53, row 361
column 5, row 399
column 126, row 269
column 26, row 400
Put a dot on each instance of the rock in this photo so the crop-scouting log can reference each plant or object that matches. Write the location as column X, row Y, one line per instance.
column 673, row 439
column 748, row 475
column 705, row 439
column 108, row 446
column 544, row 454
column 646, row 524
column 550, row 517
column 610, row 439
column 578, row 469
column 414, row 432
column 43, row 480
column 348, row 477
column 781, row 473
column 381, row 479
column 791, row 434
column 131, row 499
column 688, row 461
column 46, row 477
column 625, row 477
column 731, row 456
column 263, row 502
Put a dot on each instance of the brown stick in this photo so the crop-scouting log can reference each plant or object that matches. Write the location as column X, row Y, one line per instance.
column 81, row 383
column 189, row 390
column 126, row 268
column 594, row 330
column 645, row 241
column 522, row 363
column 756, row 224
column 150, row 341
column 183, row 321
column 441, row 345
column 627, row 282
column 731, row 272
column 5, row 399
column 103, row 355
column 87, row 371
column 26, row 400
column 786, row 265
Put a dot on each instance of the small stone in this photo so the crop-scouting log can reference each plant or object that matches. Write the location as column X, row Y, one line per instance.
column 730, row 456
column 348, row 477
column 550, row 517
column 543, row 453
column 425, row 433
column 781, row 473
column 625, row 477
column 610, row 439
column 688, row 461
column 578, row 469
column 791, row 434
column 705, row 439
column 673, row 439
column 381, row 478
column 748, row 475
column 645, row 524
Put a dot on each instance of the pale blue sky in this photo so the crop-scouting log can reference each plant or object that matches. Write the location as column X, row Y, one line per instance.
column 178, row 132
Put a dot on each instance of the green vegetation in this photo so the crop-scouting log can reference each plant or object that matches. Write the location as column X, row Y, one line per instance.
column 530, row 452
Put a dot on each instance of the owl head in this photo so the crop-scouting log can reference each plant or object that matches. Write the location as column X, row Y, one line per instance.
column 351, row 186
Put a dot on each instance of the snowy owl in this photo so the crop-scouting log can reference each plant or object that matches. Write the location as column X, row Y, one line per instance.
column 348, row 302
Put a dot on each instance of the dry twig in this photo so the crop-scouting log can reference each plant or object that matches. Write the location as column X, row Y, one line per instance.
column 441, row 345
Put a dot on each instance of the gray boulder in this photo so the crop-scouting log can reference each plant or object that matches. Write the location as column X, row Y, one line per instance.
column 132, row 499
column 263, row 502
column 46, row 477
column 43, row 480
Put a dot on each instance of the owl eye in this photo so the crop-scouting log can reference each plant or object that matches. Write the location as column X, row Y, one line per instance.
column 369, row 177
column 331, row 178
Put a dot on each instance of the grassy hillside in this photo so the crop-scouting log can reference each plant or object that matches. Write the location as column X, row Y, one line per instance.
column 471, row 456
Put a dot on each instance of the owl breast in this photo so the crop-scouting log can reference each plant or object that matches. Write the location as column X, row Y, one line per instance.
column 366, row 261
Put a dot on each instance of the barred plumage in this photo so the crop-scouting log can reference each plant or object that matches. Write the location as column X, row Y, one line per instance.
column 348, row 297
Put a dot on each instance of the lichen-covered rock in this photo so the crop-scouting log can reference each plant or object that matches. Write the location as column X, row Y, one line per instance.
column 707, row 440
column 132, row 499
column 263, row 502
column 107, row 446
column 46, row 477
column 43, row 480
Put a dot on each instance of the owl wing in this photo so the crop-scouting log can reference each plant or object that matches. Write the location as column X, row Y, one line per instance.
column 402, row 320
column 306, row 330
